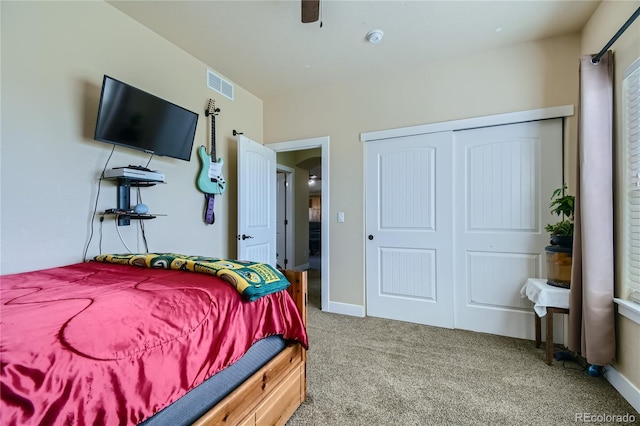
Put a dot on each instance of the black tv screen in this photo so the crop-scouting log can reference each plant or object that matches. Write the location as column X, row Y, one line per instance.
column 133, row 118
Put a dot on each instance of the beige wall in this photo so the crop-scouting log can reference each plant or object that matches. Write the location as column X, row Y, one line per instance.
column 527, row 76
column 607, row 19
column 54, row 55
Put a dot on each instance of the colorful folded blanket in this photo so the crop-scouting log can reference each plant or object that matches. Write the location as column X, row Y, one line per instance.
column 251, row 279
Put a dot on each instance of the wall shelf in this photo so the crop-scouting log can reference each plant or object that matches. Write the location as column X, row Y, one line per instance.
column 127, row 215
column 124, row 212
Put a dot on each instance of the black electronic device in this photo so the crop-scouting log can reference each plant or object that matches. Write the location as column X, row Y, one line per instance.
column 133, row 118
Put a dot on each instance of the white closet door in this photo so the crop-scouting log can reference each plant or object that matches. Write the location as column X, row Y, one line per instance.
column 504, row 178
column 409, row 229
column 256, row 202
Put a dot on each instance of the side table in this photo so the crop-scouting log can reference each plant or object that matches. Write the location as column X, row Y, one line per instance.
column 547, row 300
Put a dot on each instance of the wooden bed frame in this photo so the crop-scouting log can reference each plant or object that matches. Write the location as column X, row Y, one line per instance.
column 274, row 392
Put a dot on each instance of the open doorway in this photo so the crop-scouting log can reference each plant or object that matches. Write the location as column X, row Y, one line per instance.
column 299, row 216
column 310, row 228
column 313, row 167
column 285, row 216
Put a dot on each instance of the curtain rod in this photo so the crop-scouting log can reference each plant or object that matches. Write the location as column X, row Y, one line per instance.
column 622, row 29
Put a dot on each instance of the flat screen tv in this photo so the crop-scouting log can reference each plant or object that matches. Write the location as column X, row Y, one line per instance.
column 133, row 118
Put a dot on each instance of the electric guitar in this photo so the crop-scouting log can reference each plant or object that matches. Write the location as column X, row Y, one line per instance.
column 210, row 178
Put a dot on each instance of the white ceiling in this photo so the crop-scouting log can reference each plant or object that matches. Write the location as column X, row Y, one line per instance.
column 263, row 47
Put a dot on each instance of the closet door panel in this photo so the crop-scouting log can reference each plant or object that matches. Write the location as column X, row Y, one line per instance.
column 504, row 178
column 409, row 226
column 455, row 224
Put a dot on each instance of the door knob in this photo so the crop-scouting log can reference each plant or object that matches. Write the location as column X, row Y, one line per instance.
column 244, row 237
column 371, row 237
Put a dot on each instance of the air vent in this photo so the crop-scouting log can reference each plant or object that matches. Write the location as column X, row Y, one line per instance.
column 219, row 84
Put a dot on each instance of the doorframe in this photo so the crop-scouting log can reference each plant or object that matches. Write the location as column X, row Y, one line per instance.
column 289, row 197
column 323, row 143
column 471, row 123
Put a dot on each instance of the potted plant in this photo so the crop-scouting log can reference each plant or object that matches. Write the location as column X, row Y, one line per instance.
column 559, row 251
column 562, row 206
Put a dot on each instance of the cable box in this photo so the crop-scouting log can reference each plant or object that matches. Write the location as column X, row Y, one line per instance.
column 134, row 174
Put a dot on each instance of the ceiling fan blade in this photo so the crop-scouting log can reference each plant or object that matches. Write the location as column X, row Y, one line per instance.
column 310, row 11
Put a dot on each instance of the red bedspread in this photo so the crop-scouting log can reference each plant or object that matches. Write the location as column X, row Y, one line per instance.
column 96, row 343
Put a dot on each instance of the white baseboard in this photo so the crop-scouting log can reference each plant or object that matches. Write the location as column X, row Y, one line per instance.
column 346, row 309
column 623, row 386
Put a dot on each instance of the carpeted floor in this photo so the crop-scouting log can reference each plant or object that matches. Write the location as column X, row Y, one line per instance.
column 372, row 371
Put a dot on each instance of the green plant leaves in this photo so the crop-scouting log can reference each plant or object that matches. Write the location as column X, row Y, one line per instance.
column 562, row 205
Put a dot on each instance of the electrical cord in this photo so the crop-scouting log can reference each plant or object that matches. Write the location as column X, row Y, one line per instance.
column 95, row 210
column 141, row 222
column 144, row 237
column 100, row 240
column 120, row 235
column 95, row 206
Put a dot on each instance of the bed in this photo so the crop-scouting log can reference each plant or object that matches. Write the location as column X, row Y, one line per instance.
column 110, row 343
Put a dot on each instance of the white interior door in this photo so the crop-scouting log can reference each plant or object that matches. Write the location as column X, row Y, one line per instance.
column 504, row 177
column 256, row 202
column 409, row 273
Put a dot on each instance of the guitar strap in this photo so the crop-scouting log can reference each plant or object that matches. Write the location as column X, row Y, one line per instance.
column 209, row 216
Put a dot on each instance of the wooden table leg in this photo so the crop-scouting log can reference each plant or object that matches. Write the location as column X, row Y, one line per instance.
column 550, row 345
column 550, row 313
column 538, row 332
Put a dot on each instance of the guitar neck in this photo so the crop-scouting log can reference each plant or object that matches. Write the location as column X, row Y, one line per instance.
column 213, row 137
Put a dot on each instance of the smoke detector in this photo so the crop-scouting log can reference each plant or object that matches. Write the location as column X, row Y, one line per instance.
column 374, row 36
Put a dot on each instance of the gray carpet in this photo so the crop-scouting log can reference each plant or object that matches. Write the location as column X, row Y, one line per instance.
column 371, row 371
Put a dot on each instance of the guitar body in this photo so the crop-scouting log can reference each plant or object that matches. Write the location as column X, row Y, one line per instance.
column 210, row 178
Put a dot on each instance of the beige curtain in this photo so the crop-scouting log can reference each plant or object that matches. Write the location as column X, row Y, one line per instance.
column 591, row 307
